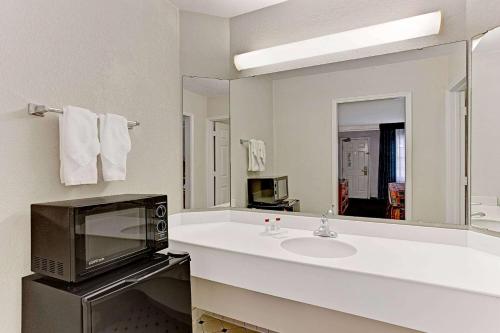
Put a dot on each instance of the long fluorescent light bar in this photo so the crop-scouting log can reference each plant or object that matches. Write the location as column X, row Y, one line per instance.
column 389, row 32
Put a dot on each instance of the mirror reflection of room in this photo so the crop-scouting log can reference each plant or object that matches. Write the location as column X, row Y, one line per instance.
column 377, row 138
column 256, row 181
column 485, row 161
column 206, row 152
column 372, row 157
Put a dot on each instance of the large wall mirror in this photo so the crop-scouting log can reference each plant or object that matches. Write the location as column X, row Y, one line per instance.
column 206, row 146
column 485, row 134
column 379, row 138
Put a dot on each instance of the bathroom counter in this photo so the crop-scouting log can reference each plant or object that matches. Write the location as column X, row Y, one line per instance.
column 426, row 286
column 491, row 218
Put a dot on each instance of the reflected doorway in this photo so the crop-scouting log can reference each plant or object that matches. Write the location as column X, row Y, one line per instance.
column 372, row 167
column 219, row 165
column 206, row 143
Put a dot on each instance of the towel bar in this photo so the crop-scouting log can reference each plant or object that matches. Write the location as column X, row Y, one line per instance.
column 41, row 110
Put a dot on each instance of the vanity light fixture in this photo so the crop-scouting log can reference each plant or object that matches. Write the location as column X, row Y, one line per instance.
column 389, row 32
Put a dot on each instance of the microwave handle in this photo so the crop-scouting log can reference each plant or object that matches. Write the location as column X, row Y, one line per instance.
column 159, row 270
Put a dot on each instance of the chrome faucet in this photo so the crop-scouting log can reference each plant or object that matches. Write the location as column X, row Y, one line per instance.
column 324, row 228
column 478, row 214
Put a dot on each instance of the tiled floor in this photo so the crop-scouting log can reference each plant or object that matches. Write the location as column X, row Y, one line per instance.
column 207, row 324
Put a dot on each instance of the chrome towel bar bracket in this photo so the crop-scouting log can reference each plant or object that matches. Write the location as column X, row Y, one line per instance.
column 41, row 110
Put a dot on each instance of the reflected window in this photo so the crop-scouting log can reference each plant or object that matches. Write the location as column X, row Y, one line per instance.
column 400, row 156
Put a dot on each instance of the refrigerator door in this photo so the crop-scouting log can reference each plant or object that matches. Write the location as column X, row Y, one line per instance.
column 153, row 302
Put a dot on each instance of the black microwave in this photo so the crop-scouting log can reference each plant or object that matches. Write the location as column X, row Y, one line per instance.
column 76, row 239
column 267, row 190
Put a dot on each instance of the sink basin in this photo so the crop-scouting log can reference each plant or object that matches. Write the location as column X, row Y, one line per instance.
column 318, row 247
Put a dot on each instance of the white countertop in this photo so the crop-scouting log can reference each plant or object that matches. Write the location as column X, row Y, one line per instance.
column 428, row 279
column 436, row 264
column 491, row 220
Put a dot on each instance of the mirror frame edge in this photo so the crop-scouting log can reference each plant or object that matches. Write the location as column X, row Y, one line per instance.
column 470, row 113
column 182, row 77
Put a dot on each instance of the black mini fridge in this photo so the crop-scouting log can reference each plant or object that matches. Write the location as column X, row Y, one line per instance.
column 152, row 295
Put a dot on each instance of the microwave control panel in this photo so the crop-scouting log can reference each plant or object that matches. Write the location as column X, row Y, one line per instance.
column 158, row 215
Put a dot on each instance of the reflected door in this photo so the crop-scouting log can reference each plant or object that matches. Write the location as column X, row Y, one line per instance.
column 222, row 163
column 355, row 163
column 186, row 160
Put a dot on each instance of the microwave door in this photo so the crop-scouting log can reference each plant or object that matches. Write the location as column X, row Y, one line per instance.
column 282, row 188
column 107, row 234
column 157, row 301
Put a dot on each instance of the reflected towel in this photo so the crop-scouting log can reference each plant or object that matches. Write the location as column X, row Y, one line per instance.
column 261, row 155
column 256, row 155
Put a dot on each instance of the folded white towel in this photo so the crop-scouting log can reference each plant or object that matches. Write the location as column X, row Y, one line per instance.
column 252, row 155
column 78, row 146
column 256, row 155
column 115, row 145
column 261, row 155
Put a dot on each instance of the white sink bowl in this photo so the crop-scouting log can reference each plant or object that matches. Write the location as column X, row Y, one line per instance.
column 318, row 247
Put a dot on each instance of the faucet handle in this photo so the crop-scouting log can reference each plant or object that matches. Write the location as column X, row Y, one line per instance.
column 330, row 212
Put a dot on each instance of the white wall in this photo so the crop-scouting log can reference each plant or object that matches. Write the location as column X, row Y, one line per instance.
column 218, row 107
column 204, row 42
column 251, row 118
column 195, row 105
column 296, row 20
column 303, row 115
column 117, row 56
column 371, row 112
column 482, row 15
column 485, row 122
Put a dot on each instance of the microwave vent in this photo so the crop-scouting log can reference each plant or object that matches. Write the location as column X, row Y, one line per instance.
column 48, row 266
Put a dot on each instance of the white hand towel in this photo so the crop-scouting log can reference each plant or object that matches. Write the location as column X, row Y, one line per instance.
column 115, row 145
column 253, row 164
column 78, row 145
column 256, row 155
column 261, row 155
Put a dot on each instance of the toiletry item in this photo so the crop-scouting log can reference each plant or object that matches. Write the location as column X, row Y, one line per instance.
column 273, row 226
column 266, row 223
column 277, row 223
